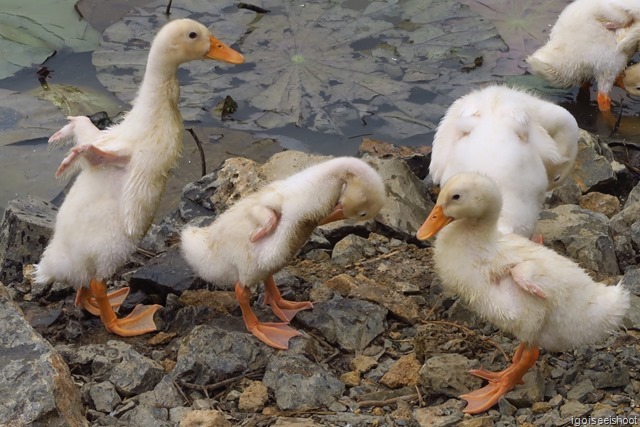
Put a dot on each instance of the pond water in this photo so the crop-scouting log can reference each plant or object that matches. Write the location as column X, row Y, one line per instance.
column 318, row 75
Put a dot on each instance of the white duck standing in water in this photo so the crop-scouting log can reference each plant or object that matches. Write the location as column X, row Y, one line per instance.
column 527, row 145
column 123, row 172
column 261, row 233
column 525, row 289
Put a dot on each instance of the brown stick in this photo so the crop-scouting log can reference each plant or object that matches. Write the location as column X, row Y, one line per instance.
column 386, row 401
column 203, row 160
column 222, row 383
column 472, row 332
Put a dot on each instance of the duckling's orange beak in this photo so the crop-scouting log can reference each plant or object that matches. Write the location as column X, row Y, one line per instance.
column 336, row 215
column 434, row 223
column 222, row 52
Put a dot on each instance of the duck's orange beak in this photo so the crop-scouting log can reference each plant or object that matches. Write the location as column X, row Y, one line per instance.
column 434, row 223
column 336, row 215
column 222, row 52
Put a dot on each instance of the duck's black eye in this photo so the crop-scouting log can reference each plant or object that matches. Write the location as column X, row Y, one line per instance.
column 193, row 35
column 456, row 197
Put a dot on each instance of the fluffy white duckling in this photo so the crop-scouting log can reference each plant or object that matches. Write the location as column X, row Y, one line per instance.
column 527, row 145
column 590, row 39
column 526, row 289
column 630, row 79
column 261, row 233
column 123, row 171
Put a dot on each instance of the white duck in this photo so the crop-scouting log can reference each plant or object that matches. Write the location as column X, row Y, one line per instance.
column 527, row 145
column 261, row 233
column 526, row 289
column 590, row 39
column 123, row 171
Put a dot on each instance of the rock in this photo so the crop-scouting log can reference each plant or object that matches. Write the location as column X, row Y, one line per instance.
column 581, row 235
column 634, row 196
column 135, row 373
column 295, row 422
column 234, row 352
column 146, row 416
column 299, row 384
column 219, row 301
column 404, row 372
column 567, row 194
column 362, row 364
column 593, row 170
column 94, row 359
column 408, row 203
column 208, row 418
column 163, row 395
column 164, row 273
column 35, row 382
column 632, row 320
column 448, row 414
column 351, row 378
column 350, row 323
column 104, row 396
column 525, row 395
column 351, row 249
column 623, row 220
column 574, row 409
column 25, row 231
column 602, row 203
column 448, row 375
column 253, row 397
column 486, row 421
column 618, row 376
column 417, row 158
column 505, row 407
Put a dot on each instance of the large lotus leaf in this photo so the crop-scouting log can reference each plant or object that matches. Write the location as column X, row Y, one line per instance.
column 76, row 100
column 321, row 64
column 30, row 33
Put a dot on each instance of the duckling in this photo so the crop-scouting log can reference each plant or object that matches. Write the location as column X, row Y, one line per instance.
column 527, row 145
column 525, row 289
column 590, row 39
column 122, row 174
column 261, row 233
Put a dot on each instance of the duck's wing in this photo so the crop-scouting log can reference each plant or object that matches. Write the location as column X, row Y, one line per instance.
column 523, row 274
column 93, row 156
column 79, row 131
column 268, row 227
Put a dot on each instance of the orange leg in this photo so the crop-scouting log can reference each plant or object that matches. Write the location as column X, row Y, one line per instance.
column 604, row 102
column 86, row 300
column 276, row 335
column 283, row 309
column 139, row 322
column 500, row 382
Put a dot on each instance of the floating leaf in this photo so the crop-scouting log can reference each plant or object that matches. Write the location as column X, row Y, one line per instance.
column 75, row 100
column 393, row 66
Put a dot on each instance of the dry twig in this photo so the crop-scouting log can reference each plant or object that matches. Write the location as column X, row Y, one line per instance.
column 471, row 332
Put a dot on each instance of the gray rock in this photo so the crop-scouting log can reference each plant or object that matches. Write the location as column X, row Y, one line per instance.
column 104, row 396
column 581, row 391
column 96, row 359
column 530, row 392
column 146, row 416
column 350, row 323
column 625, row 252
column 631, row 280
column 351, row 249
column 448, row 375
column 618, row 376
column 448, row 414
column 164, row 273
column 574, row 409
column 35, row 383
column 299, row 384
column 505, row 407
column 567, row 194
column 163, row 395
column 622, row 221
column 408, row 203
column 25, row 230
column 632, row 320
column 634, row 196
column 210, row 354
column 135, row 373
column 580, row 234
column 593, row 170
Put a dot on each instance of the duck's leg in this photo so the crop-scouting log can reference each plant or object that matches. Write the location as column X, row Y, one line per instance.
column 276, row 335
column 500, row 382
column 86, row 300
column 283, row 309
column 138, row 322
column 604, row 101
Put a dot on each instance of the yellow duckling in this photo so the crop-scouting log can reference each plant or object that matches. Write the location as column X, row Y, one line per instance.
column 261, row 233
column 527, row 145
column 590, row 39
column 123, row 171
column 525, row 289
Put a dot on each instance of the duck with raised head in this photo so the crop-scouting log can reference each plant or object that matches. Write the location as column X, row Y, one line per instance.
column 525, row 289
column 122, row 174
column 527, row 145
column 260, row 234
column 591, row 39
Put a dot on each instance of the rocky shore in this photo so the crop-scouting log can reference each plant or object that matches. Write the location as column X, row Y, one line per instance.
column 383, row 345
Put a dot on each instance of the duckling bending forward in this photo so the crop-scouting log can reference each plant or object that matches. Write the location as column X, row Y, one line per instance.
column 526, row 289
column 123, row 171
column 262, row 232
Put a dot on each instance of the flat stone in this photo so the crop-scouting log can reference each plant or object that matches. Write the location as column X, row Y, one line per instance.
column 35, row 382
column 219, row 301
column 404, row 372
column 299, row 384
column 602, row 203
column 448, row 414
column 234, row 352
column 135, row 374
column 448, row 375
column 350, row 323
column 486, row 421
column 531, row 391
column 253, row 397
column 351, row 378
column 361, row 363
column 350, row 249
column 164, row 273
column 27, row 226
column 574, row 409
column 205, row 418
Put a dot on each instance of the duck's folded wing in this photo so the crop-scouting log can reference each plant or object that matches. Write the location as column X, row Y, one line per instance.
column 79, row 131
column 523, row 274
column 267, row 228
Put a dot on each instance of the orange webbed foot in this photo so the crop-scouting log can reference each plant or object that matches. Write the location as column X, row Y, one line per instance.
column 138, row 322
column 276, row 335
column 285, row 310
column 86, row 300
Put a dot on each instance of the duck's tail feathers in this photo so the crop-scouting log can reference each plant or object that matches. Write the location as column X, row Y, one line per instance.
column 611, row 308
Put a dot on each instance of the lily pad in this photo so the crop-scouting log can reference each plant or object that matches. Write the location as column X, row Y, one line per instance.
column 24, row 117
column 324, row 65
column 75, row 100
column 30, row 33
